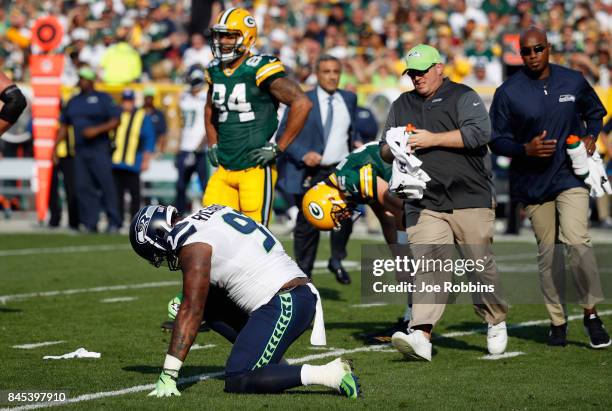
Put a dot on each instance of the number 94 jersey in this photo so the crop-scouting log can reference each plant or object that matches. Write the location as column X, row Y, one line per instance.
column 247, row 260
column 244, row 111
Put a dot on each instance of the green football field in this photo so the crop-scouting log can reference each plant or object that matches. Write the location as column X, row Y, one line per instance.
column 94, row 292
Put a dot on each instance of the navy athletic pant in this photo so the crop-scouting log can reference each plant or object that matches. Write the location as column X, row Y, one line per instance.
column 252, row 366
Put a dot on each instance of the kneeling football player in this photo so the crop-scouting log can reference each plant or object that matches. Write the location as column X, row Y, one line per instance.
column 219, row 248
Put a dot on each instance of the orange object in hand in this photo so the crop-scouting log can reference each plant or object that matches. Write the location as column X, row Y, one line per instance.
column 410, row 128
column 572, row 140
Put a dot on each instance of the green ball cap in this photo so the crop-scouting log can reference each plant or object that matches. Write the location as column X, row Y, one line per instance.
column 149, row 92
column 87, row 73
column 422, row 57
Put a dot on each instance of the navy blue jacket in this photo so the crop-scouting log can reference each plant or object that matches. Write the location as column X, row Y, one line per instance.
column 522, row 108
column 291, row 168
column 87, row 110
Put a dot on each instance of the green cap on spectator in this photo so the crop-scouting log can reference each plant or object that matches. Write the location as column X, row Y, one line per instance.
column 149, row 92
column 87, row 73
column 422, row 57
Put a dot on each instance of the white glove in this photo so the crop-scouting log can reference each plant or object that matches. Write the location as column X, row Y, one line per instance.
column 597, row 180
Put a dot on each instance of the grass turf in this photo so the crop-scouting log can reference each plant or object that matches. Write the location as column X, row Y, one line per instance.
column 132, row 345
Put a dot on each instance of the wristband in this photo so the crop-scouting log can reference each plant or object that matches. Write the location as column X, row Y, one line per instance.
column 172, row 365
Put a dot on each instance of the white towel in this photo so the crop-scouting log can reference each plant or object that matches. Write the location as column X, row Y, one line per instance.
column 397, row 139
column 597, row 180
column 317, row 337
column 79, row 353
column 406, row 182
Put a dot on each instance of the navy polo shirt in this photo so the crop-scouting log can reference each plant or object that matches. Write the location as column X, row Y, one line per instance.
column 86, row 110
column 522, row 108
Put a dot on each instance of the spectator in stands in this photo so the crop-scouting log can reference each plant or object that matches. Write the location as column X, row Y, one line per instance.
column 121, row 63
column 198, row 53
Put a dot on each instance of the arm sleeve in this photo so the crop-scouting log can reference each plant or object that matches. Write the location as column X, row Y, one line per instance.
column 502, row 138
column 269, row 70
column 474, row 122
column 591, row 109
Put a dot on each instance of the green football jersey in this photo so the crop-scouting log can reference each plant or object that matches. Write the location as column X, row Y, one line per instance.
column 356, row 174
column 244, row 112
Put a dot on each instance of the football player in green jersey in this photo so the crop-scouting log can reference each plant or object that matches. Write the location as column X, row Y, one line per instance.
column 361, row 178
column 241, row 117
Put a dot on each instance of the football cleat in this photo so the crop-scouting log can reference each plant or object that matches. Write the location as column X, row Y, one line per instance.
column 349, row 384
column 413, row 345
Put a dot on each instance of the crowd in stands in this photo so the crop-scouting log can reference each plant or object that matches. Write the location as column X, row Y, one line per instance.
column 148, row 40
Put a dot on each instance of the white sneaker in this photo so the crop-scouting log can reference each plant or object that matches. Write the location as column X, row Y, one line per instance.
column 497, row 338
column 414, row 345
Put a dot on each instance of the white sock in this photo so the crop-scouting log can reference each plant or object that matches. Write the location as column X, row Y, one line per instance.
column 328, row 375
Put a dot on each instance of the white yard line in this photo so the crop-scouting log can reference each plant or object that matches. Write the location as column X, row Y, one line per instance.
column 334, row 353
column 118, row 299
column 5, row 298
column 494, row 357
column 483, row 330
column 368, row 305
column 36, row 345
column 64, row 250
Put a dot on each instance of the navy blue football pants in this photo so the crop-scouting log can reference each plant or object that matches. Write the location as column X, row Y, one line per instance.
column 252, row 366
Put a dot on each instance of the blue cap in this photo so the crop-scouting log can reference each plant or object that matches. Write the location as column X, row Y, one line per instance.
column 128, row 94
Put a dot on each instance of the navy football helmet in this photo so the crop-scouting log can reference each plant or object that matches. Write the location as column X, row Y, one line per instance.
column 149, row 231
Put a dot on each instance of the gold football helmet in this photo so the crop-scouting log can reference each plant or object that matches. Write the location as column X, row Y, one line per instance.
column 325, row 207
column 238, row 22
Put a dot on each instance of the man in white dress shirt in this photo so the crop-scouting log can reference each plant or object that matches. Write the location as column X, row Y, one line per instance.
column 326, row 139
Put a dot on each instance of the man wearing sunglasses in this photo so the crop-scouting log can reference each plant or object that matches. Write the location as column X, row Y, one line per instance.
column 532, row 114
column 452, row 131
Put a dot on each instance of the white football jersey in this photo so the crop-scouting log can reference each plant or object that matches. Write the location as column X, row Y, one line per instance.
column 192, row 111
column 247, row 260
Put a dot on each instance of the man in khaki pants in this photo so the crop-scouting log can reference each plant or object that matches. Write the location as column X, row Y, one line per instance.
column 532, row 114
column 452, row 130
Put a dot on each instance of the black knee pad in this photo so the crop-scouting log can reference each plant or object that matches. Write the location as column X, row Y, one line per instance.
column 14, row 103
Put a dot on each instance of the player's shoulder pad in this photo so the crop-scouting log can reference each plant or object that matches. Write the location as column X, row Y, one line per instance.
column 265, row 66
